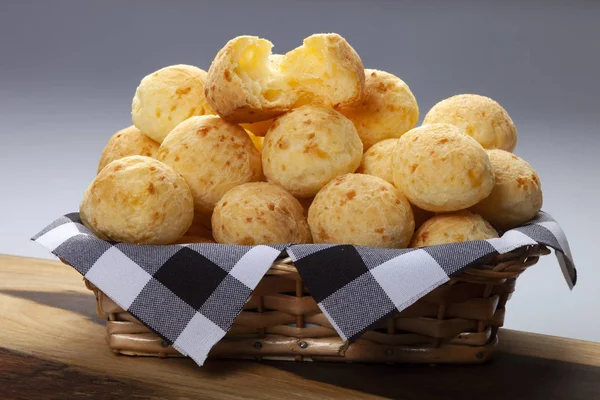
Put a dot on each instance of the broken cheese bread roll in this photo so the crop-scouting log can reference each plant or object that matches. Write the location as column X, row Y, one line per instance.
column 309, row 146
column 246, row 83
column 440, row 168
column 478, row 116
column 458, row 226
column 517, row 194
column 138, row 199
column 127, row 142
column 362, row 210
column 387, row 110
column 213, row 156
column 257, row 140
column 167, row 97
column 259, row 213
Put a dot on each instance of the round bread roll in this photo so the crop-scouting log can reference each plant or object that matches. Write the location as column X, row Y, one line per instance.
column 167, row 97
column 309, row 146
column 127, row 142
column 362, row 210
column 259, row 213
column 441, row 169
column 517, row 194
column 213, row 156
column 458, row 226
column 478, row 116
column 377, row 161
column 387, row 110
column 246, row 83
column 137, row 199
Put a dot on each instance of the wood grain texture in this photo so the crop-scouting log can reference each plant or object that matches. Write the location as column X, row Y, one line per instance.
column 50, row 337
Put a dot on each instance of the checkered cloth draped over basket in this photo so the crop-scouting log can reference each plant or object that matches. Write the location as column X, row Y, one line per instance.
column 191, row 294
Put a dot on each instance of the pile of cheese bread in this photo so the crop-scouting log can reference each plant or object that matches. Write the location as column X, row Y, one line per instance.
column 306, row 147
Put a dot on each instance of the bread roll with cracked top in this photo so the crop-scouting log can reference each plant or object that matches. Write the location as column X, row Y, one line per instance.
column 517, row 194
column 127, row 142
column 362, row 210
column 441, row 169
column 387, row 110
column 246, row 83
column 140, row 200
column 167, row 97
column 480, row 117
column 259, row 213
column 213, row 156
column 458, row 226
column 309, row 146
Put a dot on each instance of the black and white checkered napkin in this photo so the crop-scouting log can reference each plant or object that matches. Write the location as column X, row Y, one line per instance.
column 191, row 294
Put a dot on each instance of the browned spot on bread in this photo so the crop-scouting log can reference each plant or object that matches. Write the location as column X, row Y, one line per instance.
column 311, row 136
column 227, row 75
column 175, row 185
column 224, row 204
column 313, row 148
column 227, row 163
column 274, row 125
column 535, row 179
column 425, row 235
column 398, row 201
column 248, row 219
column 442, row 141
column 514, row 157
column 182, row 91
column 413, row 168
column 415, row 138
column 118, row 167
column 283, row 167
column 162, row 178
column 282, row 143
column 307, row 122
column 173, row 108
column 156, row 215
column 157, row 113
column 247, row 240
column 177, row 158
column 373, row 74
column 151, row 188
column 192, row 111
column 469, row 130
column 152, row 169
column 382, row 87
column 203, row 131
column 323, row 234
column 379, row 230
column 350, row 195
column 383, row 188
column 432, row 152
column 521, row 182
column 222, row 138
column 271, row 206
column 94, row 221
column 390, row 108
column 185, row 146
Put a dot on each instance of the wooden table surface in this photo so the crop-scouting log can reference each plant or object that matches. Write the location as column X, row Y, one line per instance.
column 52, row 347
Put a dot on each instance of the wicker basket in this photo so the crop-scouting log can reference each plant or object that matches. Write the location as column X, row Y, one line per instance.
column 455, row 323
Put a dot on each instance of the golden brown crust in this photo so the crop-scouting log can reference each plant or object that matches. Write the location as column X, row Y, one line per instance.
column 441, row 169
column 259, row 213
column 127, row 142
column 458, row 226
column 517, row 194
column 213, row 155
column 362, row 210
column 167, row 97
column 138, row 199
column 478, row 116
column 387, row 110
column 309, row 146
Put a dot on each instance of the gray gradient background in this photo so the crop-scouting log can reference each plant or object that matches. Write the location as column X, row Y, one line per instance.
column 68, row 71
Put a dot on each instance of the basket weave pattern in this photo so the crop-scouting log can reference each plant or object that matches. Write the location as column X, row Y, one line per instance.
column 455, row 323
